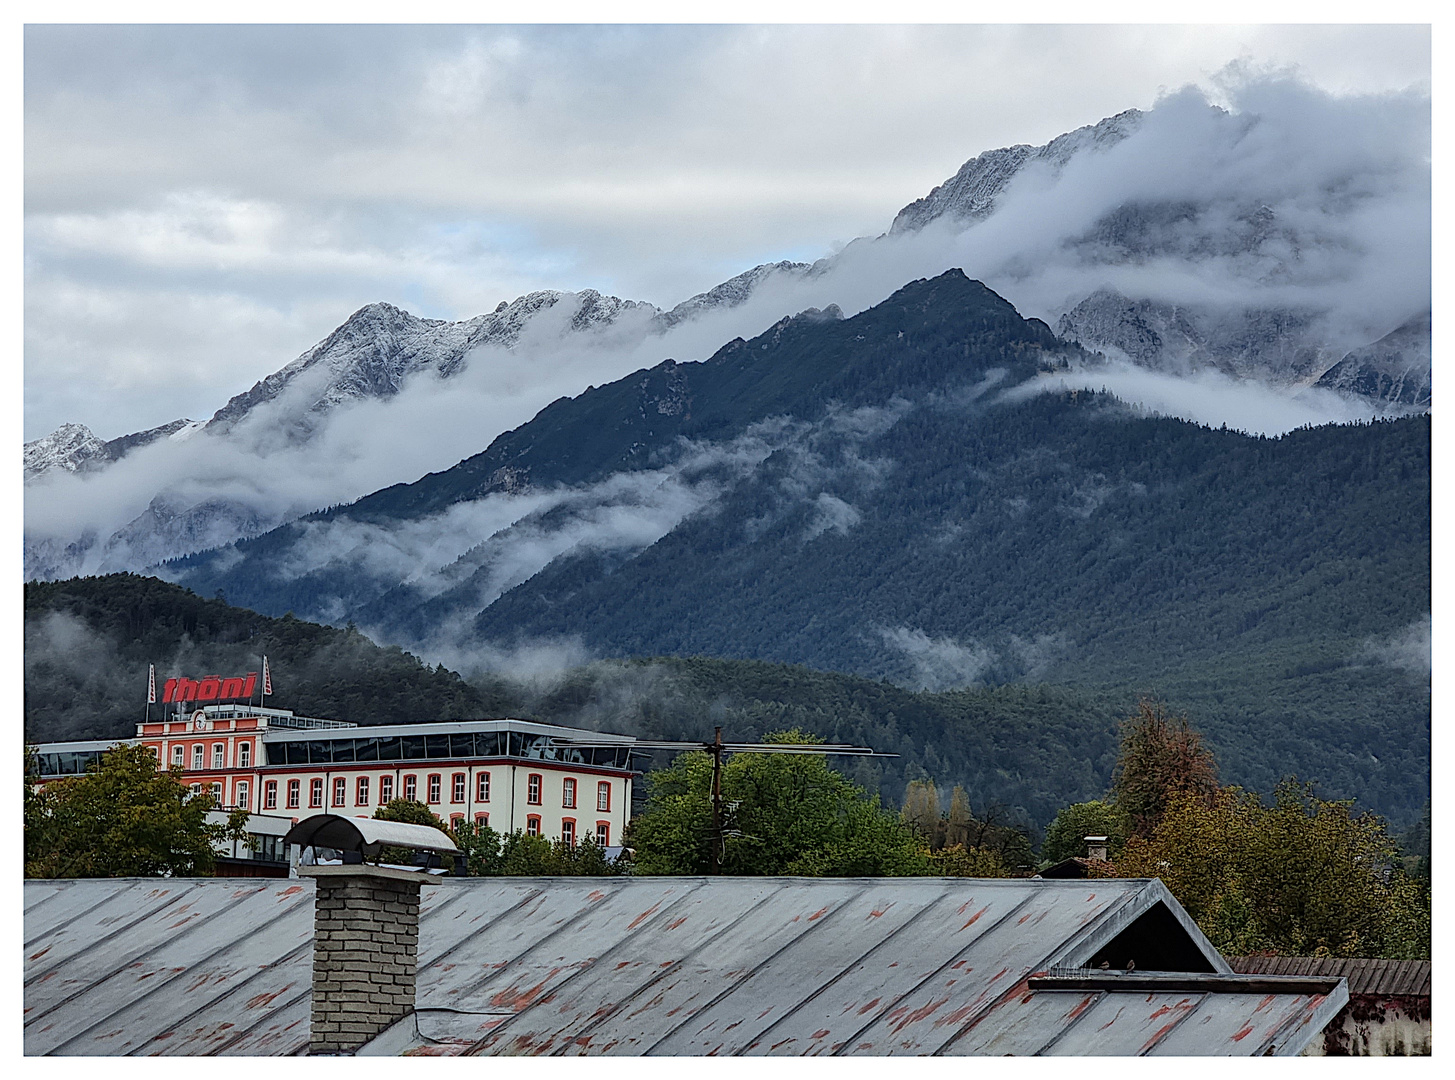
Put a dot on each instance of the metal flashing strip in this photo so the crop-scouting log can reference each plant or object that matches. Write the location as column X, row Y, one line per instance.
column 1174, row 981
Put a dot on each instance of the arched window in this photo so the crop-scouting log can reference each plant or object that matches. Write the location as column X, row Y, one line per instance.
column 293, row 790
column 244, row 755
column 533, row 825
column 568, row 831
column 270, row 795
column 361, row 792
column 457, row 788
column 315, row 792
column 219, row 755
column 179, row 756
column 386, row 789
column 533, row 789
column 197, row 751
column 482, row 787
column 242, row 795
column 434, row 788
column 603, row 833
column 568, row 792
column 411, row 788
column 603, row 795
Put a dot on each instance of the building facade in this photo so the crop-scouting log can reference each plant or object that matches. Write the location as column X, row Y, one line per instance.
column 509, row 774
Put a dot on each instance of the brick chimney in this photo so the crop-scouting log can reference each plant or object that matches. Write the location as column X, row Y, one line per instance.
column 365, row 953
column 1096, row 848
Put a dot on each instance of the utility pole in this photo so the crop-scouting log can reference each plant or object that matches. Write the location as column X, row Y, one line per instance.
column 718, row 749
column 717, row 837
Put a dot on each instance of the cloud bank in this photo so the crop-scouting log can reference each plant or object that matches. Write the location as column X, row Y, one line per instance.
column 1346, row 179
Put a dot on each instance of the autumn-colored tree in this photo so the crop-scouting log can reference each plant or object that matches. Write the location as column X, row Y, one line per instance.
column 921, row 812
column 960, row 861
column 1161, row 757
column 1306, row 876
column 124, row 818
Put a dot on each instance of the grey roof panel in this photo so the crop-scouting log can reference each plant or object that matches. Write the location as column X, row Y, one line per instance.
column 637, row 966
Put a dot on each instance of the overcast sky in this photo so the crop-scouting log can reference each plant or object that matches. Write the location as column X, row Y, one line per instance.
column 204, row 203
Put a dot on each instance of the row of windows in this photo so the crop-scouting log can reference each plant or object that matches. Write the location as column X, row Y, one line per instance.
column 349, row 751
column 469, row 744
column 219, row 756
column 568, row 829
column 433, row 792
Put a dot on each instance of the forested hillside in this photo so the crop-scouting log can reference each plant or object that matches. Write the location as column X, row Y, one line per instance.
column 88, row 642
column 906, row 495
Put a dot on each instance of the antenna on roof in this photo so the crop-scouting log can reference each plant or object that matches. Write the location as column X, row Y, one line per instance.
column 717, row 748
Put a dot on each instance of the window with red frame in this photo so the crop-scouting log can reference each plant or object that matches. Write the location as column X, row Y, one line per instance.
column 434, row 788
column 482, row 787
column 315, row 793
column 482, row 819
column 457, row 788
column 294, row 787
column 533, row 825
column 411, row 788
column 456, row 820
column 219, row 755
column 197, row 751
column 568, row 832
column 386, row 788
column 603, row 833
column 244, row 755
column 533, row 789
column 603, row 795
column 361, row 792
column 568, row 792
column 340, row 790
column 270, row 795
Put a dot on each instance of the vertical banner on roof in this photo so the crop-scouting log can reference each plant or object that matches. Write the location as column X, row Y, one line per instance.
column 267, row 677
column 151, row 684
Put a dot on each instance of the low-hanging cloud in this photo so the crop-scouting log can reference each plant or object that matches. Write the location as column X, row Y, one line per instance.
column 1408, row 649
column 1346, row 179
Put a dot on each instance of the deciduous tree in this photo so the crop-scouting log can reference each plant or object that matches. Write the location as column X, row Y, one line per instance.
column 124, row 818
column 1161, row 757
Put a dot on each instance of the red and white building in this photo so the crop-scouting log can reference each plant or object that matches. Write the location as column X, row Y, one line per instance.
column 509, row 774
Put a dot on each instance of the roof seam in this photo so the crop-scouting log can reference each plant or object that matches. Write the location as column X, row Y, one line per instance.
column 104, row 938
column 942, row 898
column 832, row 916
column 660, row 913
column 889, row 1006
column 160, row 983
column 1099, row 995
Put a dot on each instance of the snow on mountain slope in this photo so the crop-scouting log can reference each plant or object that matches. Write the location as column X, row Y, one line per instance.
column 972, row 193
column 1267, row 243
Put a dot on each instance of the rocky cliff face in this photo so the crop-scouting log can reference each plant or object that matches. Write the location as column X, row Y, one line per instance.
column 973, row 192
column 1395, row 369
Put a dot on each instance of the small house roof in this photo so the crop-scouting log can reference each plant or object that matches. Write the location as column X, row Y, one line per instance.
column 1392, row 978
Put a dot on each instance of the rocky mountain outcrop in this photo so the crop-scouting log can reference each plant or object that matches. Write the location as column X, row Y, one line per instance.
column 1395, row 369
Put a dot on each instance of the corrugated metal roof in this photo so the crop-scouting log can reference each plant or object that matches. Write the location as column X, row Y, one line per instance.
column 1393, row 978
column 640, row 966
